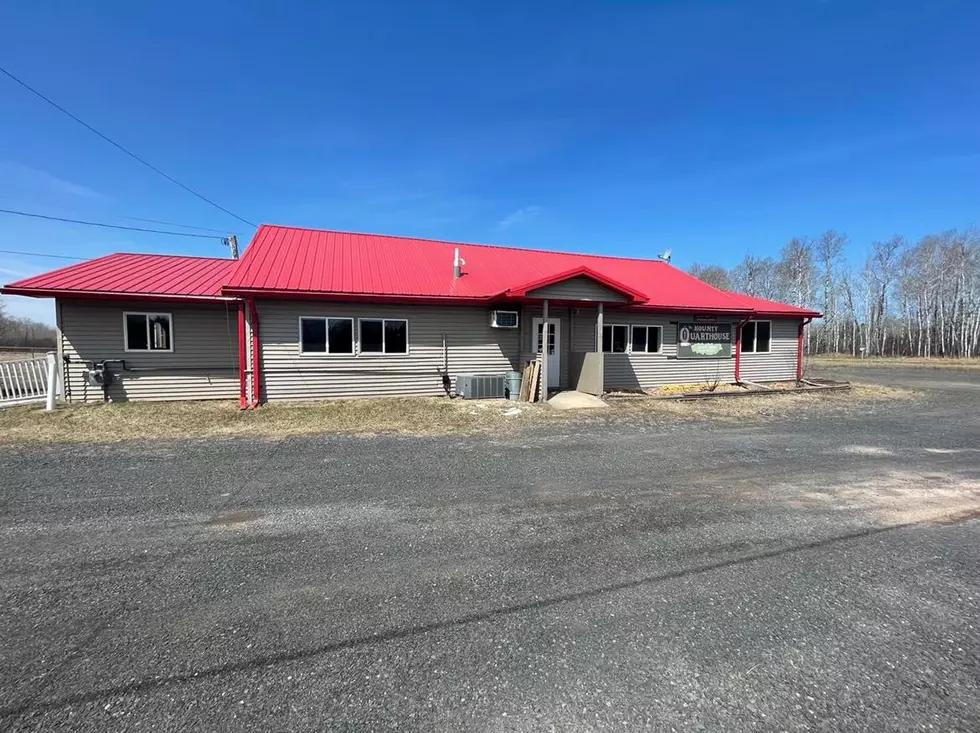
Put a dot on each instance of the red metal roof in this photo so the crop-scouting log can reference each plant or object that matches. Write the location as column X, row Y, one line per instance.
column 131, row 274
column 288, row 261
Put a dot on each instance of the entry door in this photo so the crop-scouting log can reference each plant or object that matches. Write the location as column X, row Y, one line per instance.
column 554, row 348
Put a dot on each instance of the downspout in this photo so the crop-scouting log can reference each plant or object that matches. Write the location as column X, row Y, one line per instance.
column 799, row 348
column 738, row 348
column 242, row 358
column 256, row 372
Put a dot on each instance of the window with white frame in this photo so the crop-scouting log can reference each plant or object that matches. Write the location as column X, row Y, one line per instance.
column 383, row 336
column 614, row 338
column 756, row 337
column 148, row 331
column 646, row 339
column 325, row 335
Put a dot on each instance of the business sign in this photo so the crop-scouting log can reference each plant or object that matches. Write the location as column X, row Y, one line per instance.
column 704, row 340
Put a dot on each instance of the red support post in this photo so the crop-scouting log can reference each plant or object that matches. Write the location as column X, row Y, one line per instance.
column 242, row 359
column 256, row 361
column 799, row 349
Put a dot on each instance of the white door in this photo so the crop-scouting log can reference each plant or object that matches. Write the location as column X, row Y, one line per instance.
column 554, row 348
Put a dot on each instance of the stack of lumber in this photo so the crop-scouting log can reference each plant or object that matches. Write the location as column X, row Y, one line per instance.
column 530, row 381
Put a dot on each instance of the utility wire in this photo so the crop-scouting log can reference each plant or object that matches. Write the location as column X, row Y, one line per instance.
column 131, row 154
column 175, row 224
column 109, row 226
column 38, row 254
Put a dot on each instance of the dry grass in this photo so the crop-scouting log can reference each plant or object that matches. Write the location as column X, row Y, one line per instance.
column 900, row 361
column 403, row 415
column 768, row 404
column 127, row 420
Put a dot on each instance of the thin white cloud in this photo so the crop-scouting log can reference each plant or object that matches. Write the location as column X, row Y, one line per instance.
column 520, row 216
column 18, row 176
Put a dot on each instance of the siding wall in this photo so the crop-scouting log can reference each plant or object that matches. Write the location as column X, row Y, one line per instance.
column 578, row 288
column 780, row 363
column 654, row 370
column 472, row 345
column 203, row 364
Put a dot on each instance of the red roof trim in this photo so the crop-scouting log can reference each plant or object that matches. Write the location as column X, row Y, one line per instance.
column 576, row 272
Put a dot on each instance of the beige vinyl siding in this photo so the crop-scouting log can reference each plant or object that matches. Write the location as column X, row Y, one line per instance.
column 578, row 288
column 643, row 371
column 202, row 365
column 473, row 347
column 780, row 363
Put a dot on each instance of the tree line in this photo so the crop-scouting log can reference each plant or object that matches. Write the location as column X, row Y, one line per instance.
column 25, row 332
column 904, row 299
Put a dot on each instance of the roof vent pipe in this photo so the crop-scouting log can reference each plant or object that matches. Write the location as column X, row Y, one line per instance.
column 458, row 262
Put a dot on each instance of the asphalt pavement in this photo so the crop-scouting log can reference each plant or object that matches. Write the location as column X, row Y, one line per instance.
column 810, row 570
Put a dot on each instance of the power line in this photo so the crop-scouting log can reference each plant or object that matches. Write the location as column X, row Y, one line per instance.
column 38, row 254
column 108, row 226
column 175, row 224
column 131, row 154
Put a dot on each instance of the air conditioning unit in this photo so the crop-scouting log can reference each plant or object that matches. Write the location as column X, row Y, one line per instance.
column 503, row 319
column 481, row 386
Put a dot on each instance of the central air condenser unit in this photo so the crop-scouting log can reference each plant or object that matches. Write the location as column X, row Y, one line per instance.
column 481, row 386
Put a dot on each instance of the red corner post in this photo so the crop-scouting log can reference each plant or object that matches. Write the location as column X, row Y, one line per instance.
column 242, row 358
column 256, row 361
column 799, row 348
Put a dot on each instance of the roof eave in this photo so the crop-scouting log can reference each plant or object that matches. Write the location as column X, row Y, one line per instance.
column 113, row 295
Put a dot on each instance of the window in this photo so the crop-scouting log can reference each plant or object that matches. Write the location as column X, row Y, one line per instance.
column 614, row 339
column 384, row 336
column 646, row 340
column 326, row 335
column 148, row 332
column 756, row 337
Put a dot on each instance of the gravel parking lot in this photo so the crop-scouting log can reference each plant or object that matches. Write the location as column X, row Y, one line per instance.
column 815, row 570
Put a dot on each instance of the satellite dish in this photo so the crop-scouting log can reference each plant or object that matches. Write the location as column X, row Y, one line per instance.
column 665, row 255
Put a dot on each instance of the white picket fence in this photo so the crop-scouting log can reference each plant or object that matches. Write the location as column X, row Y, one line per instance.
column 27, row 380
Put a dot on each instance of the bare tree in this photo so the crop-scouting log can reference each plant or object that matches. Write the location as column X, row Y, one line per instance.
column 712, row 274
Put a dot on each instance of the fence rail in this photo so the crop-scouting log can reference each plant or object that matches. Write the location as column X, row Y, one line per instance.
column 23, row 380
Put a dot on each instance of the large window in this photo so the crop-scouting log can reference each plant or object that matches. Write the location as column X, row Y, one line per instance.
column 148, row 332
column 646, row 339
column 326, row 335
column 614, row 338
column 756, row 337
column 383, row 336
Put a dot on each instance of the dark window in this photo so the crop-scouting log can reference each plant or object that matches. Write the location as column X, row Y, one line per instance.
column 340, row 332
column 313, row 335
column 756, row 337
column 372, row 337
column 551, row 337
column 614, row 339
column 148, row 332
column 763, row 334
column 396, row 337
column 136, row 336
column 646, row 339
column 639, row 338
column 748, row 338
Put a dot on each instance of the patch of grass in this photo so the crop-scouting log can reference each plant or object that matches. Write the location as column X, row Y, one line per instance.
column 768, row 405
column 892, row 361
column 393, row 415
column 205, row 419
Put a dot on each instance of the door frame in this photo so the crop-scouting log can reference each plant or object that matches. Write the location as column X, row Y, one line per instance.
column 554, row 360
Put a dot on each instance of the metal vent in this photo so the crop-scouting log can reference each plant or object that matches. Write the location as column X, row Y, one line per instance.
column 481, row 386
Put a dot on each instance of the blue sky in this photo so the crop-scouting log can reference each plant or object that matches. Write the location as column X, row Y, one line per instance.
column 714, row 128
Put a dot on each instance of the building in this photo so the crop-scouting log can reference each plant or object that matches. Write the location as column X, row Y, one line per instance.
column 318, row 314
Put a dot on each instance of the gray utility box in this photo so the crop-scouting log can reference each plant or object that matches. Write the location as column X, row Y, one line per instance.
column 481, row 386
